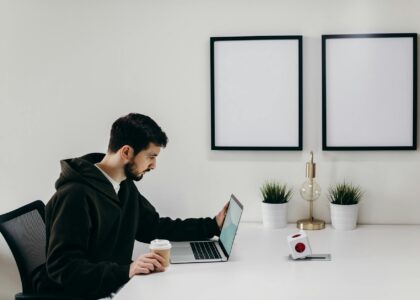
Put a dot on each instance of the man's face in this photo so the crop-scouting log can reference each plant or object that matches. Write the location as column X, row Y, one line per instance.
column 143, row 162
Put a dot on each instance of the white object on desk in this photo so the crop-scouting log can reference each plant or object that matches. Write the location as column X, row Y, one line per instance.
column 299, row 245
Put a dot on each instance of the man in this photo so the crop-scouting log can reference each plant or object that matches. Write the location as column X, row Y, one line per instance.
column 97, row 212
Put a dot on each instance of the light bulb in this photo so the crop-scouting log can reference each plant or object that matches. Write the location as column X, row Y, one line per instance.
column 310, row 190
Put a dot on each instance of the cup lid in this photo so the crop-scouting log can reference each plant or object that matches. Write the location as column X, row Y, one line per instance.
column 160, row 245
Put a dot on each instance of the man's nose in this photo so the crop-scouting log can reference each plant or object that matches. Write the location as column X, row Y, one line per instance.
column 152, row 165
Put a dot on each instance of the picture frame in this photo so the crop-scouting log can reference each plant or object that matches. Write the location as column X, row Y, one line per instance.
column 256, row 92
column 369, row 91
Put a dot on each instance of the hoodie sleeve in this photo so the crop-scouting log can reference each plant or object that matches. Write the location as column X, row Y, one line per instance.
column 67, row 263
column 152, row 226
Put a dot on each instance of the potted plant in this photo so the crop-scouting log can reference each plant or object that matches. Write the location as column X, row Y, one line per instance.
column 344, row 204
column 274, row 205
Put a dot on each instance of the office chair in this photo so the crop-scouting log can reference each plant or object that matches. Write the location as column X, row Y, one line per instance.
column 24, row 231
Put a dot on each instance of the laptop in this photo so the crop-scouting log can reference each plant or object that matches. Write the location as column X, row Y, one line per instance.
column 211, row 251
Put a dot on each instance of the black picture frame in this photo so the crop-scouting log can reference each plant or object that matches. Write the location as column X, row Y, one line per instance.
column 256, row 92
column 369, row 91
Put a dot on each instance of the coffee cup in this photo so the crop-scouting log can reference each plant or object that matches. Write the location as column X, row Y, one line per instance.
column 162, row 248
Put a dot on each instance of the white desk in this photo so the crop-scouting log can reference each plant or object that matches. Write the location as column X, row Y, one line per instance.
column 371, row 262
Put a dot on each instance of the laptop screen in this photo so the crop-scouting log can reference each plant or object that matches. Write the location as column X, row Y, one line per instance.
column 230, row 225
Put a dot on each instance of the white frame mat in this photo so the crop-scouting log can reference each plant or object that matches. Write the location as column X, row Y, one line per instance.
column 369, row 91
column 256, row 93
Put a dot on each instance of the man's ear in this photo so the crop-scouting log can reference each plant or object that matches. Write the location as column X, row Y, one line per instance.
column 126, row 153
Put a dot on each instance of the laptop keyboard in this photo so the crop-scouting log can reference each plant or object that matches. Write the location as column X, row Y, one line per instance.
column 205, row 250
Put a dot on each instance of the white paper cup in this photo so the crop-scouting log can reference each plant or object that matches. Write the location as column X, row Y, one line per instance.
column 163, row 248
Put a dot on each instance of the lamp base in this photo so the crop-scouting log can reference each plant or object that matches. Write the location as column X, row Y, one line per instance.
column 310, row 224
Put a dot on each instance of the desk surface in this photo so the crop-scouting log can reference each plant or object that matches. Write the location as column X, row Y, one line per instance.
column 371, row 262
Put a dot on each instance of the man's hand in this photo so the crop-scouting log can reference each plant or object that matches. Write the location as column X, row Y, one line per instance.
column 147, row 263
column 220, row 218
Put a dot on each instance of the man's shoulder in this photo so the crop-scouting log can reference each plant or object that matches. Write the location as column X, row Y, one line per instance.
column 70, row 194
column 73, row 188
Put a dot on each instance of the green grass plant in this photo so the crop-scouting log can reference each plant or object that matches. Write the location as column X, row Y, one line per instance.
column 274, row 192
column 345, row 194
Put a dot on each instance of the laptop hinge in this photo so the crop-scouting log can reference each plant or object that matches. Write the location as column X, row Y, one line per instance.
column 223, row 249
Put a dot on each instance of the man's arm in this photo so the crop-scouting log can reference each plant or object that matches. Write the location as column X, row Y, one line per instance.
column 152, row 226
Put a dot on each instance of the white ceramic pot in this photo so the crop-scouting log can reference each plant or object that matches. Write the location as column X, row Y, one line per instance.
column 344, row 217
column 274, row 215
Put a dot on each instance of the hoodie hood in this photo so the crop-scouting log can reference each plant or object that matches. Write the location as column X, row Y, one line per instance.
column 83, row 170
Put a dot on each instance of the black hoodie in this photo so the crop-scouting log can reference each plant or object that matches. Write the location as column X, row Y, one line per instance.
column 91, row 231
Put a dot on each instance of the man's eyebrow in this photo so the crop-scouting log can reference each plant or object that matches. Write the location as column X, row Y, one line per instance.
column 152, row 154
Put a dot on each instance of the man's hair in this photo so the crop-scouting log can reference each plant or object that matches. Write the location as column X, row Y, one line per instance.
column 137, row 131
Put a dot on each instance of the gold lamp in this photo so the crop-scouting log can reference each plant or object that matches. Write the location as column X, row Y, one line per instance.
column 310, row 191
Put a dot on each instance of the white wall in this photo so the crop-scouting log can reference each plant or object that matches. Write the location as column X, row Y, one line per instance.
column 68, row 69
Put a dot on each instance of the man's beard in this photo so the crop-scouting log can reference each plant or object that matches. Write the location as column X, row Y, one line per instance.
column 129, row 172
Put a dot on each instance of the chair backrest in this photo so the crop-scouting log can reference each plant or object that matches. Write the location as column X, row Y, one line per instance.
column 24, row 231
